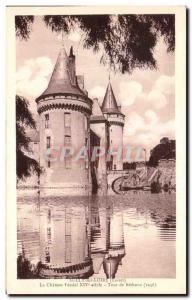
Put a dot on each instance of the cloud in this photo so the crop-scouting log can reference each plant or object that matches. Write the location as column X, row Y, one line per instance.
column 149, row 139
column 151, row 116
column 32, row 88
column 132, row 123
column 23, row 73
column 163, row 88
column 135, row 122
column 97, row 92
column 165, row 84
column 166, row 128
column 31, row 78
column 157, row 99
column 129, row 90
column 147, row 129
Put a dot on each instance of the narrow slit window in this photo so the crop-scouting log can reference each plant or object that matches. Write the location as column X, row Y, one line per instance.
column 68, row 244
column 48, row 142
column 67, row 120
column 47, row 121
column 86, row 127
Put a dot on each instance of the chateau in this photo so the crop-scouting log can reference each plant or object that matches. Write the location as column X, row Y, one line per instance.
column 69, row 118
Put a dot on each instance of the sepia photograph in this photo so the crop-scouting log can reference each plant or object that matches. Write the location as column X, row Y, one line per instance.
column 95, row 149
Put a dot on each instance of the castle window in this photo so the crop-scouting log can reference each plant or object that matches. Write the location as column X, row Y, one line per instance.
column 68, row 249
column 86, row 160
column 86, row 124
column 48, row 142
column 67, row 123
column 68, row 159
column 114, row 167
column 68, row 162
column 47, row 257
column 48, row 164
column 68, row 245
column 67, row 140
column 67, row 120
column 47, row 121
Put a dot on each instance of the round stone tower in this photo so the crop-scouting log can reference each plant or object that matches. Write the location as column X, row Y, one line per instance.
column 115, row 118
column 64, row 110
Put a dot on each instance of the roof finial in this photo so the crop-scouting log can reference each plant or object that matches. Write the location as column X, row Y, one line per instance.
column 109, row 76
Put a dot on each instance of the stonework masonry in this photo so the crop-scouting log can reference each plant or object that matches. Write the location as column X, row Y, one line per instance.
column 68, row 117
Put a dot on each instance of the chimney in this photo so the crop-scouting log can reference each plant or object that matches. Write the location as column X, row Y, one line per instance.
column 72, row 66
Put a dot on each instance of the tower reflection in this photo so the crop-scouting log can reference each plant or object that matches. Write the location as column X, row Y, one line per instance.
column 107, row 239
column 64, row 243
column 72, row 239
column 116, row 247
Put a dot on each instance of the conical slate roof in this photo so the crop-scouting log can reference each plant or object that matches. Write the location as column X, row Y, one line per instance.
column 109, row 104
column 60, row 82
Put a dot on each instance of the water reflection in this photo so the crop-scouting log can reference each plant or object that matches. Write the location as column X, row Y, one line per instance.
column 99, row 237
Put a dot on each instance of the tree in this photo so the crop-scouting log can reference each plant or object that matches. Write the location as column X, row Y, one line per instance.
column 129, row 165
column 23, row 26
column 126, row 41
column 162, row 151
column 24, row 119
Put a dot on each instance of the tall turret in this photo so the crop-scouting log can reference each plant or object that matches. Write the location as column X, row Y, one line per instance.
column 115, row 118
column 64, row 111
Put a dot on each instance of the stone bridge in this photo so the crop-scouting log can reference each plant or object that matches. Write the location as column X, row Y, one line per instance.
column 131, row 178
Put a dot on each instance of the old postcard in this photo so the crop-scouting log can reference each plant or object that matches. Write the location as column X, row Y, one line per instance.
column 96, row 150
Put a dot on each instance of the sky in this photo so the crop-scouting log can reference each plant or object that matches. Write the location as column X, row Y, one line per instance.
column 147, row 96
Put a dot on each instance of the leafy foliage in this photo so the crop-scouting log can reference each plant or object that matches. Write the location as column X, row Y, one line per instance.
column 162, row 151
column 23, row 26
column 24, row 119
column 126, row 41
column 129, row 166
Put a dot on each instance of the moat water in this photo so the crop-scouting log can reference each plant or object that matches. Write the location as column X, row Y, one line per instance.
column 129, row 236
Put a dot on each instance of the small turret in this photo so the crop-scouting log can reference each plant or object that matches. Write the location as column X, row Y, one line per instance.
column 112, row 112
column 109, row 104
